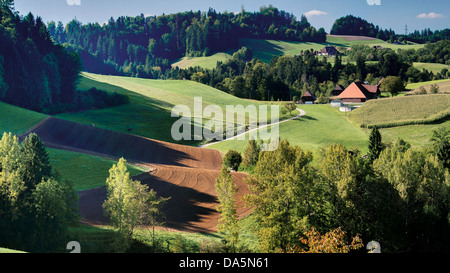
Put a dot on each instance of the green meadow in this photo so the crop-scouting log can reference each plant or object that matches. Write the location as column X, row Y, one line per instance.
column 265, row 50
column 17, row 120
column 444, row 85
column 322, row 125
column 84, row 171
column 151, row 102
column 433, row 67
column 208, row 62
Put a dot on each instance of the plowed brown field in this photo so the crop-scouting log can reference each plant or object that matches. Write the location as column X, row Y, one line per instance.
column 186, row 174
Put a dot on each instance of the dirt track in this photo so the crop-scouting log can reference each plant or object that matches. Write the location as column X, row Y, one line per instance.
column 186, row 174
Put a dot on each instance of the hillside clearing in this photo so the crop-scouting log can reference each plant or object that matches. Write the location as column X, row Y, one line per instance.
column 208, row 62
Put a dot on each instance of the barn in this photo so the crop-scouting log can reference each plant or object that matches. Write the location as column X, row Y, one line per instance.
column 308, row 98
column 328, row 51
column 337, row 90
column 359, row 92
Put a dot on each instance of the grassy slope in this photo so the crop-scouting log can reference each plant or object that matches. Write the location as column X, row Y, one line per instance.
column 208, row 62
column 444, row 85
column 265, row 50
column 6, row 250
column 151, row 103
column 417, row 135
column 321, row 126
column 17, row 120
column 83, row 170
column 406, row 109
column 433, row 67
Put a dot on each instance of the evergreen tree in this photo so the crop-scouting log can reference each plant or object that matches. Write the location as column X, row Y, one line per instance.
column 375, row 144
column 35, row 161
column 251, row 153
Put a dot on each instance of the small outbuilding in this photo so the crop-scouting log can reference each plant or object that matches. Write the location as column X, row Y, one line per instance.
column 337, row 90
column 328, row 51
column 336, row 103
column 308, row 98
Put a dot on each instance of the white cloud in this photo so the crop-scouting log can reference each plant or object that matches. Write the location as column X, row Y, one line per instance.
column 431, row 15
column 74, row 2
column 315, row 13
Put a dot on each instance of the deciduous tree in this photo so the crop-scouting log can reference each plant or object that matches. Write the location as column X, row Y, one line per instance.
column 129, row 204
column 228, row 222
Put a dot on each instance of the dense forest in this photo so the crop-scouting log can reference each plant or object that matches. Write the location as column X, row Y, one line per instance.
column 34, row 72
column 352, row 25
column 38, row 74
column 146, row 46
column 396, row 195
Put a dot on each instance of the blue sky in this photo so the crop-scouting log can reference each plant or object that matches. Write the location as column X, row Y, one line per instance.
column 395, row 14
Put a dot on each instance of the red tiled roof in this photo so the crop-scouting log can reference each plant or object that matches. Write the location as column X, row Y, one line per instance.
column 354, row 91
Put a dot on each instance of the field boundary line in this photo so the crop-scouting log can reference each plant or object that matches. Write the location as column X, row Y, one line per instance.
column 302, row 113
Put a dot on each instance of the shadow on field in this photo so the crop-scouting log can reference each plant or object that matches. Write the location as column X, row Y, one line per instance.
column 186, row 208
column 144, row 115
column 182, row 211
column 59, row 133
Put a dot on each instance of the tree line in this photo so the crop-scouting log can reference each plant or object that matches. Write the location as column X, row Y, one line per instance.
column 146, row 46
column 36, row 207
column 36, row 73
column 353, row 25
column 286, row 77
column 395, row 195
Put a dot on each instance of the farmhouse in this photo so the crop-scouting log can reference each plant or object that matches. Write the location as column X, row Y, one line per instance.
column 337, row 90
column 328, row 51
column 308, row 98
column 359, row 92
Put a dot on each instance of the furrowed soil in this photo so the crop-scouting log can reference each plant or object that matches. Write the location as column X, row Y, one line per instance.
column 185, row 174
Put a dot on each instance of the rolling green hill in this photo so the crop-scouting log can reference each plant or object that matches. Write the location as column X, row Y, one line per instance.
column 265, row 50
column 151, row 101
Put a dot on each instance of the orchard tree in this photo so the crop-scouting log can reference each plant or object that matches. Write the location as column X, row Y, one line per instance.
column 441, row 141
column 333, row 241
column 53, row 210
